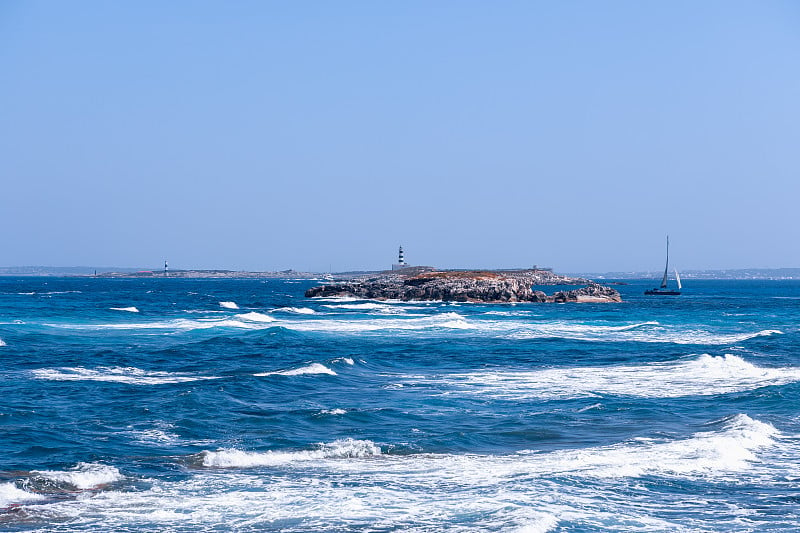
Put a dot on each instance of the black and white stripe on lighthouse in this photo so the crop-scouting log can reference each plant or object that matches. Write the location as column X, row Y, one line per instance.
column 401, row 262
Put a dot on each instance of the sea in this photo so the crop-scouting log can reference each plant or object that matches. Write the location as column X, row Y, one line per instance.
column 240, row 405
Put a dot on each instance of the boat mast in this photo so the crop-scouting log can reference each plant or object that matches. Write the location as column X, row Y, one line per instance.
column 666, row 268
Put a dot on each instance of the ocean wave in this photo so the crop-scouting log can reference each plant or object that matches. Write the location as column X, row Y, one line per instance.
column 339, row 449
column 729, row 449
column 649, row 331
column 160, row 435
column 708, row 453
column 381, row 308
column 128, row 309
column 229, row 305
column 256, row 317
column 448, row 320
column 255, row 320
column 2, row 342
column 83, row 476
column 701, row 376
column 243, row 321
column 350, row 484
column 313, row 368
column 295, row 310
column 129, row 375
column 333, row 412
column 10, row 494
column 362, row 306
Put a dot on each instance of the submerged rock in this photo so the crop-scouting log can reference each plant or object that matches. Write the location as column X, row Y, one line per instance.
column 490, row 286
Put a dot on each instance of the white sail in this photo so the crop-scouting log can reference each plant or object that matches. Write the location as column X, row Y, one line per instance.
column 678, row 279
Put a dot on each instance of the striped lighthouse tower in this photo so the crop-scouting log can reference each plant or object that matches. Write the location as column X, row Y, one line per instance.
column 401, row 262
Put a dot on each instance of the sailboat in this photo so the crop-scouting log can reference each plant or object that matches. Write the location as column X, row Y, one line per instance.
column 663, row 290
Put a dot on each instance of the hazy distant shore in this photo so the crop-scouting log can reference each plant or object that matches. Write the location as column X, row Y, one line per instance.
column 127, row 272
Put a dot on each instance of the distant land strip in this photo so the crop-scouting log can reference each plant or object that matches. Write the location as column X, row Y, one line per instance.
column 741, row 273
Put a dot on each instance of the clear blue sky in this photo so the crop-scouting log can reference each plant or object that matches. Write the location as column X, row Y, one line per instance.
column 308, row 135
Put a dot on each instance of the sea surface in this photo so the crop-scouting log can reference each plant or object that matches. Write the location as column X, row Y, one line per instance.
column 240, row 405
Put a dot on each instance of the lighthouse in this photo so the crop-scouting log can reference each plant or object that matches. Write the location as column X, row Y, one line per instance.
column 401, row 262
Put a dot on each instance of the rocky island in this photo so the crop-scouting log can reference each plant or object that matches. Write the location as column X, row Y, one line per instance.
column 487, row 286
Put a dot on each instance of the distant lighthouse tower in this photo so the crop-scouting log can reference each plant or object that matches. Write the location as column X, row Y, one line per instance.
column 166, row 268
column 401, row 262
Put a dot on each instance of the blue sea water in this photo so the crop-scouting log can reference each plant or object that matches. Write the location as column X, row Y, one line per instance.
column 240, row 405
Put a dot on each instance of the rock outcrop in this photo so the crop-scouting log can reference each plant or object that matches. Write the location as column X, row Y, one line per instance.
column 490, row 286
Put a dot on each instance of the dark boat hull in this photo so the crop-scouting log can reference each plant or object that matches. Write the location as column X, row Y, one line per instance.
column 659, row 292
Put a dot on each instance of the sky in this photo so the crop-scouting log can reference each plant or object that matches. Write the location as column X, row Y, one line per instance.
column 321, row 135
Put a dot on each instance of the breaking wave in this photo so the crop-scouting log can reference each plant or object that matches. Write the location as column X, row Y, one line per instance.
column 650, row 331
column 83, row 476
column 701, row 376
column 339, row 449
column 256, row 317
column 336, row 411
column 10, row 494
column 296, row 310
column 116, row 374
column 313, row 368
column 706, row 453
column 350, row 482
column 381, row 308
column 128, row 309
column 730, row 449
column 309, row 321
column 229, row 305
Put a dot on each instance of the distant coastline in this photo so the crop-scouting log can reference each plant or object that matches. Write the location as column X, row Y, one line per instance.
column 130, row 272
column 720, row 274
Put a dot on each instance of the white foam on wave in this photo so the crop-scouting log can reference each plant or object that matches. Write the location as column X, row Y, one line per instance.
column 229, row 305
column 700, row 376
column 442, row 320
column 336, row 411
column 244, row 321
column 345, row 360
column 255, row 320
column 649, row 331
column 2, row 342
column 339, row 449
column 160, row 435
column 83, row 475
column 295, row 310
column 349, row 484
column 362, row 306
column 711, row 453
column 128, row 309
column 10, row 494
column 116, row 374
column 256, row 317
column 728, row 450
column 380, row 308
column 63, row 292
column 313, row 368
